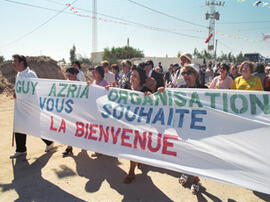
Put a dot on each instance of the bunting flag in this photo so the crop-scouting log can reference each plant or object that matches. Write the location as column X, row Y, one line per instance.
column 266, row 37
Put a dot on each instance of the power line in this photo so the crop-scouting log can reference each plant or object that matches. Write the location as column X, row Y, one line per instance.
column 226, row 46
column 253, row 29
column 34, row 6
column 165, row 14
column 113, row 17
column 245, row 22
column 38, row 27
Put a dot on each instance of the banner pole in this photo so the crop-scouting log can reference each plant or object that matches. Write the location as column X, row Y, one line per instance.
column 13, row 134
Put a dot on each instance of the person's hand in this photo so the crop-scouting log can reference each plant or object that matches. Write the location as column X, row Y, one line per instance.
column 107, row 87
column 147, row 93
column 161, row 89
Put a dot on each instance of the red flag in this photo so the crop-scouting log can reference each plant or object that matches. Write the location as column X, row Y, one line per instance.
column 208, row 38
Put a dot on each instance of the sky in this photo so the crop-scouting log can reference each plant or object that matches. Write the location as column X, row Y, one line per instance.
column 52, row 27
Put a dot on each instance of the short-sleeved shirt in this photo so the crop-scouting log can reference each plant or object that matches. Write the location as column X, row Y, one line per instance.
column 218, row 83
column 109, row 77
column 253, row 83
column 178, row 79
column 27, row 73
column 101, row 83
column 80, row 76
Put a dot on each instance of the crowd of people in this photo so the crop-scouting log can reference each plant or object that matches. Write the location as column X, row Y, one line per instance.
column 147, row 78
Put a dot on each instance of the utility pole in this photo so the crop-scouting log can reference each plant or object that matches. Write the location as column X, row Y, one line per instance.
column 215, row 53
column 94, row 26
column 212, row 16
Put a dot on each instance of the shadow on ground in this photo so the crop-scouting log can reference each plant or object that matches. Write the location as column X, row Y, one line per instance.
column 265, row 197
column 31, row 186
column 107, row 168
column 141, row 189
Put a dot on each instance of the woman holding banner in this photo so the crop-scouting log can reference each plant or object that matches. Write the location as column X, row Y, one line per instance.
column 137, row 80
column 191, row 77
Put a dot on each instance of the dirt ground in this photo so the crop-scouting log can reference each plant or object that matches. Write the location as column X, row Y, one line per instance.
column 48, row 176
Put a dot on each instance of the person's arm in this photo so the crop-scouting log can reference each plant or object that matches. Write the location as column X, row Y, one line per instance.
column 231, row 82
column 213, row 83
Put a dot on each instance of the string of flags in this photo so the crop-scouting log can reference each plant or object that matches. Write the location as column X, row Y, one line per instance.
column 266, row 37
column 79, row 14
column 258, row 3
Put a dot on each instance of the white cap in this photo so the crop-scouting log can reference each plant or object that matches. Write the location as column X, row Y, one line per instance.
column 196, row 67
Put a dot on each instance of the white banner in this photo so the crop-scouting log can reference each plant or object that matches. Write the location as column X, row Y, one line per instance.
column 218, row 134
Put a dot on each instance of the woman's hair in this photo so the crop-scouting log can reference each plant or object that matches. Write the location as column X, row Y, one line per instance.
column 141, row 71
column 72, row 70
column 126, row 62
column 225, row 66
column 115, row 67
column 77, row 63
column 250, row 65
column 100, row 70
column 194, row 71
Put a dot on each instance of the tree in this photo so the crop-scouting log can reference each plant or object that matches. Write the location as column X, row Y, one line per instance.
column 196, row 53
column 239, row 58
column 125, row 52
column 83, row 59
column 2, row 59
column 72, row 53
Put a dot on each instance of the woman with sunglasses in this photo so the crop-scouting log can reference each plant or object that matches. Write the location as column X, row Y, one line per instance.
column 223, row 81
column 191, row 76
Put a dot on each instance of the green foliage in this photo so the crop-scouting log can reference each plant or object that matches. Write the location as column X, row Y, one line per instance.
column 125, row 52
column 83, row 59
column 203, row 54
column 2, row 59
column 229, row 57
column 72, row 53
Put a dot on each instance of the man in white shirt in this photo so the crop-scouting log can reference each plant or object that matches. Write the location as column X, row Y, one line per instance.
column 80, row 76
column 20, row 64
column 108, row 76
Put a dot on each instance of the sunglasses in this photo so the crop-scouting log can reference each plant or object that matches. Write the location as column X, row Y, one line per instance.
column 189, row 72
